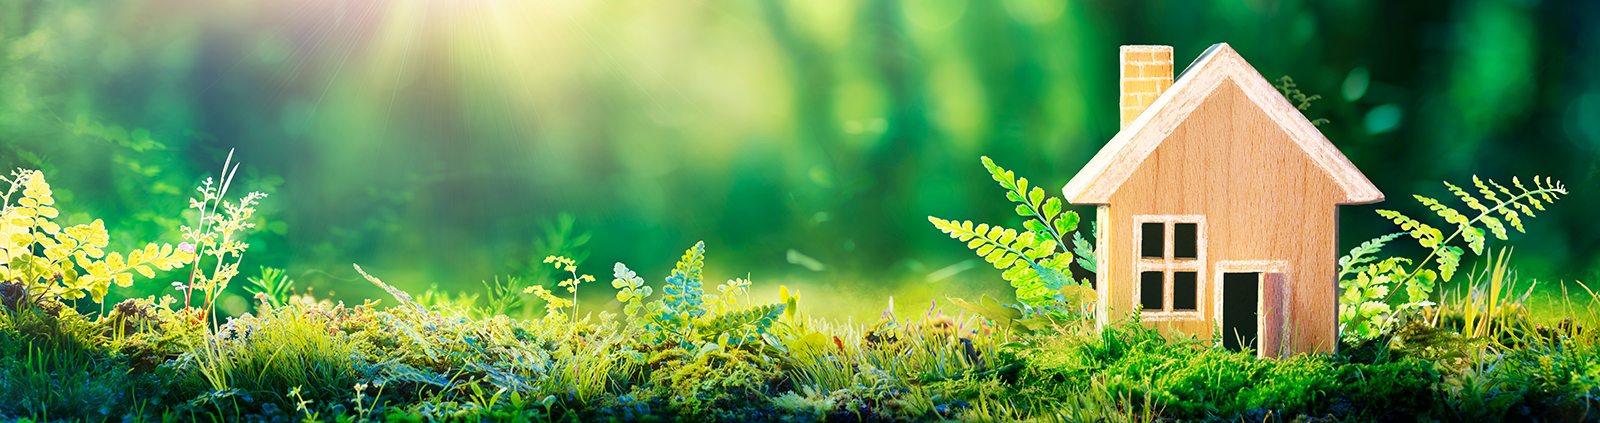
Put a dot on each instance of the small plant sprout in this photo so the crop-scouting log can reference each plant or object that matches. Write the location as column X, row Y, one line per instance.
column 631, row 290
column 571, row 284
column 219, row 235
column 554, row 304
column 271, row 288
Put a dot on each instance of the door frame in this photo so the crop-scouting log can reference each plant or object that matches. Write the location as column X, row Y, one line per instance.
column 1261, row 267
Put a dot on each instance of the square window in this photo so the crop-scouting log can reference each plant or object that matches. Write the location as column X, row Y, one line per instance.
column 1184, row 242
column 1151, row 289
column 1154, row 241
column 1184, row 291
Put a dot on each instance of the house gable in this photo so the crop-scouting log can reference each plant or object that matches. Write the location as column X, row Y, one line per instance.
column 1117, row 161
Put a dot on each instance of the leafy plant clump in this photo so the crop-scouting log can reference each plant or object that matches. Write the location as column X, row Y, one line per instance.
column 67, row 263
column 1036, row 261
column 1368, row 282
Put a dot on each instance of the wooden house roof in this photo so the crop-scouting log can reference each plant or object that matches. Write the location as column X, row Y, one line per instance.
column 1116, row 162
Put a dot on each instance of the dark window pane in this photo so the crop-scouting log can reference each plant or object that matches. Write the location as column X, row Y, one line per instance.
column 1150, row 290
column 1184, row 291
column 1154, row 240
column 1183, row 240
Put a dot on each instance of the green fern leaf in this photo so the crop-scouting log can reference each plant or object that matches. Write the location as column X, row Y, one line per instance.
column 1084, row 251
column 1358, row 257
column 1449, row 259
column 1474, row 238
column 1067, row 223
column 1026, row 240
column 1052, row 208
column 1035, row 226
column 1043, row 249
column 1467, row 198
column 1014, row 273
column 743, row 326
column 1016, row 254
column 1513, row 218
column 1007, row 236
column 999, row 174
column 1494, row 225
column 994, row 257
column 682, row 294
column 1424, row 234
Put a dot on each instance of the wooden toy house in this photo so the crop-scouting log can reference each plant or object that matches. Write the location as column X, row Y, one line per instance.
column 1218, row 206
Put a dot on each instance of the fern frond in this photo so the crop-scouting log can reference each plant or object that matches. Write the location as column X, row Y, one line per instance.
column 682, row 293
column 631, row 290
column 1510, row 210
column 1019, row 256
column 401, row 296
column 1083, row 250
column 1449, row 259
column 1463, row 225
column 745, row 326
column 1467, row 198
column 1360, row 256
column 1425, row 235
column 65, row 250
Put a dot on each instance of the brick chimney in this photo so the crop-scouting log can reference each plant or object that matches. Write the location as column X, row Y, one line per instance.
column 1146, row 72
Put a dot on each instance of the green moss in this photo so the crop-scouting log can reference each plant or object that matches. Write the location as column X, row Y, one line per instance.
column 716, row 383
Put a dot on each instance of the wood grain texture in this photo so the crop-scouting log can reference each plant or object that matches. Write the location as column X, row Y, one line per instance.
column 1263, row 198
column 1224, row 145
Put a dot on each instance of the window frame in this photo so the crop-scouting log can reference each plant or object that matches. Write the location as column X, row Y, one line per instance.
column 1167, row 264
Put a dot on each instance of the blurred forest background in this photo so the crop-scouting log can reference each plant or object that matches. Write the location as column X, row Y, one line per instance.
column 806, row 141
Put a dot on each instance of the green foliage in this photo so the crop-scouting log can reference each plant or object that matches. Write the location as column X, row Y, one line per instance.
column 272, row 287
column 503, row 297
column 559, row 236
column 219, row 234
column 49, row 258
column 631, row 290
column 1287, row 87
column 1036, row 262
column 682, row 299
column 1365, row 308
column 744, row 326
column 65, row 376
column 717, row 384
column 285, row 349
column 1032, row 266
column 695, row 355
column 1025, row 320
column 138, row 139
column 1545, row 190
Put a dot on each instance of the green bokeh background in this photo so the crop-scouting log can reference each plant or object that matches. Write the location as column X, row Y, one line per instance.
column 436, row 142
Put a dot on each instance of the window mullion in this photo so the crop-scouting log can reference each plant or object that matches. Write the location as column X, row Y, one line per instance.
column 1168, row 284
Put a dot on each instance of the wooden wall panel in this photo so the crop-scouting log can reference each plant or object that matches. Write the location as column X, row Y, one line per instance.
column 1263, row 197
